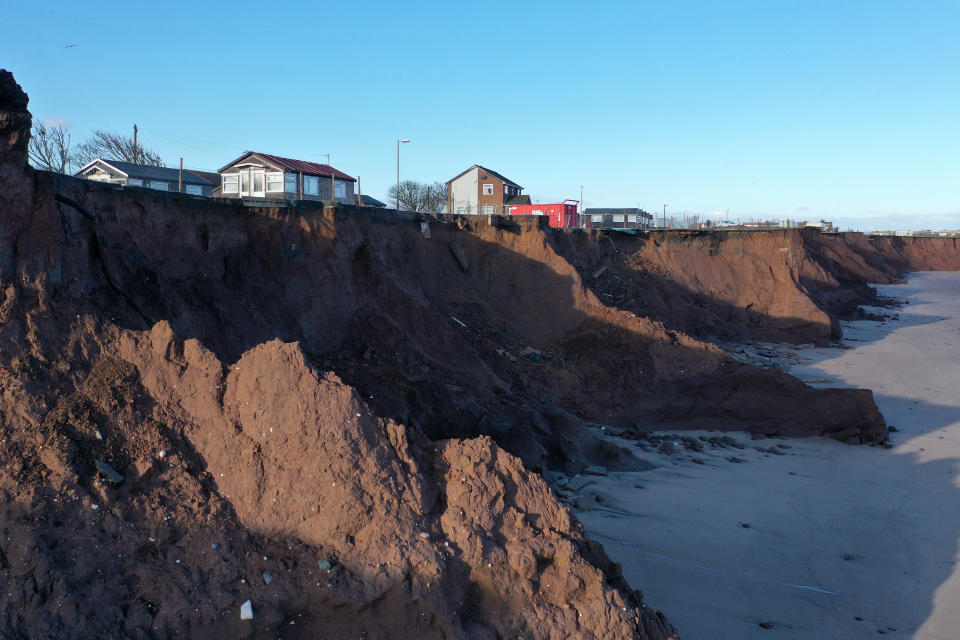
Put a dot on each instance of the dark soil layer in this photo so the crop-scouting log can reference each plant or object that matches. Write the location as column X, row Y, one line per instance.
column 332, row 412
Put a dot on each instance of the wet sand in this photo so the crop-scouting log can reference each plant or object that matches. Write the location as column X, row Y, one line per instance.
column 822, row 540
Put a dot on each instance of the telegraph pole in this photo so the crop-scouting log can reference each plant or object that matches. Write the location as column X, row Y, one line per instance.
column 136, row 152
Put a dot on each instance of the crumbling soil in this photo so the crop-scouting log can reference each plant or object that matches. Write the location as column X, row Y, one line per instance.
column 325, row 412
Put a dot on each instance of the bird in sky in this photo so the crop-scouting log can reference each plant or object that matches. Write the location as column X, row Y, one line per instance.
column 70, row 46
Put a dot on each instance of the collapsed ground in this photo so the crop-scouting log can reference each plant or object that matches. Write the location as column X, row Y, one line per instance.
column 318, row 409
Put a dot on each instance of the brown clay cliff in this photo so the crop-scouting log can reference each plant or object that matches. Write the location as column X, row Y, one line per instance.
column 325, row 412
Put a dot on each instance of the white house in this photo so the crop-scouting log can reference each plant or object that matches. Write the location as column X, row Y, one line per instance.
column 261, row 175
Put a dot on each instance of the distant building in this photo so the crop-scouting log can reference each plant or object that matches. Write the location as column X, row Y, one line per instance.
column 261, row 175
column 562, row 215
column 198, row 183
column 616, row 218
column 367, row 201
column 481, row 191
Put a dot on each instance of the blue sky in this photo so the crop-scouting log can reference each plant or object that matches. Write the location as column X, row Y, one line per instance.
column 847, row 111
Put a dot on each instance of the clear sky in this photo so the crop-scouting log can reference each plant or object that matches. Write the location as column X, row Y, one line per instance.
column 843, row 110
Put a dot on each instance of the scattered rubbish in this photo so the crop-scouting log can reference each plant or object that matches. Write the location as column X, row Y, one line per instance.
column 765, row 625
column 215, row 546
column 736, row 460
column 460, row 255
column 595, row 470
column 577, row 483
column 324, row 565
column 599, row 272
column 892, row 429
column 267, row 578
column 108, row 471
column 424, row 535
column 531, row 354
column 98, row 434
column 459, row 322
column 246, row 611
column 425, row 229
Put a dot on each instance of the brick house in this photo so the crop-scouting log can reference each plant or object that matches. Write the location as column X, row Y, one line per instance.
column 481, row 191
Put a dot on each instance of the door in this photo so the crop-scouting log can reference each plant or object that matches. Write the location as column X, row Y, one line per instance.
column 258, row 189
column 253, row 183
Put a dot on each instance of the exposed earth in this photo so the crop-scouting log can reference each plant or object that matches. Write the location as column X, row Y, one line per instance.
column 341, row 415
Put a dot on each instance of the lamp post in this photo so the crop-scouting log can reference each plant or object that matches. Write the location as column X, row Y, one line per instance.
column 397, row 194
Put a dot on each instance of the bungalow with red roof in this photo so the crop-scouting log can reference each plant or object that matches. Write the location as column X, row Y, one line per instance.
column 261, row 175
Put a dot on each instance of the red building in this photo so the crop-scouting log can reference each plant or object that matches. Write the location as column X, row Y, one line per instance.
column 561, row 216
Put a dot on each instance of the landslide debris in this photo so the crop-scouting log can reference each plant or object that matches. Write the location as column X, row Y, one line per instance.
column 160, row 457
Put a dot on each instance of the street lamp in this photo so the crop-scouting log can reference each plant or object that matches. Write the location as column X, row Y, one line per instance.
column 397, row 194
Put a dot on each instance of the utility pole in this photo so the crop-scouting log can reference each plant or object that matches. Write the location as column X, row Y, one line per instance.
column 180, row 178
column 136, row 152
column 397, row 194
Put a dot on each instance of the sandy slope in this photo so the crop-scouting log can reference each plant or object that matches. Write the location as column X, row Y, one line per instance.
column 841, row 543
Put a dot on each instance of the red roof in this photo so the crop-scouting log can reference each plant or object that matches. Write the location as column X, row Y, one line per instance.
column 309, row 168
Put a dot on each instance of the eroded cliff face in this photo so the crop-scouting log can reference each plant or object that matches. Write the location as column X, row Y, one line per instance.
column 173, row 445
column 786, row 285
column 330, row 397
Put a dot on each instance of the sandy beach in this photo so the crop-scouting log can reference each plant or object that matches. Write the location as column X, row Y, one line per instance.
column 810, row 538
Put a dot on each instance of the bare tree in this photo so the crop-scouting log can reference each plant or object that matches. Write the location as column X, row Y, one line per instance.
column 49, row 147
column 419, row 196
column 114, row 146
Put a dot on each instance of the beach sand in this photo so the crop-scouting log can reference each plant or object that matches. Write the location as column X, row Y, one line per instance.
column 822, row 540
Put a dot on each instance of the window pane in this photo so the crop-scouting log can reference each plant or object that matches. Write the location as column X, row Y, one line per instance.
column 274, row 182
column 618, row 218
column 487, row 209
column 161, row 186
column 290, row 183
column 258, row 181
column 341, row 188
column 134, row 182
column 245, row 182
column 230, row 183
column 311, row 185
column 488, row 189
column 594, row 218
column 194, row 189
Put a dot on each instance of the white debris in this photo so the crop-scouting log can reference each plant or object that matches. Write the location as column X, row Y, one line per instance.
column 246, row 611
column 162, row 453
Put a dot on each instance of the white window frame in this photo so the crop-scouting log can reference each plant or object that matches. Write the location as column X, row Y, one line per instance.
column 258, row 177
column 340, row 189
column 275, row 181
column 311, row 186
column 229, row 179
column 488, row 210
column 596, row 218
column 619, row 219
column 488, row 189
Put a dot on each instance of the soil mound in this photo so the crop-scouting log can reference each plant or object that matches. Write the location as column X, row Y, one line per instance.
column 311, row 408
column 152, row 486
